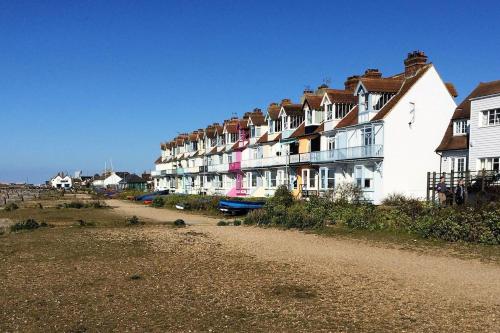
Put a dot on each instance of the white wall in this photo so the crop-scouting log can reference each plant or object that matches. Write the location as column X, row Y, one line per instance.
column 112, row 179
column 409, row 151
column 484, row 141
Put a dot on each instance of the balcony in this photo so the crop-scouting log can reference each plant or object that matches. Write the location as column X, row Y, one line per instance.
column 160, row 173
column 300, row 158
column 351, row 153
column 234, row 166
column 179, row 171
column 203, row 168
column 264, row 162
column 192, row 170
column 223, row 167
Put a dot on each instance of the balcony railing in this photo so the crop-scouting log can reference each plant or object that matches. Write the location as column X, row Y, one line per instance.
column 369, row 151
column 192, row 169
column 159, row 173
column 179, row 171
column 264, row 162
column 203, row 168
column 223, row 167
column 235, row 166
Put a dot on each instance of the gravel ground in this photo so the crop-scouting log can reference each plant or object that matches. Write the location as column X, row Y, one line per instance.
column 205, row 278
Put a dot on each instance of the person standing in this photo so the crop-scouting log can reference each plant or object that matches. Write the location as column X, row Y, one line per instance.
column 442, row 189
column 460, row 192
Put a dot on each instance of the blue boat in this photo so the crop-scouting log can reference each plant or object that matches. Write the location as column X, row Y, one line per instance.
column 237, row 206
column 150, row 196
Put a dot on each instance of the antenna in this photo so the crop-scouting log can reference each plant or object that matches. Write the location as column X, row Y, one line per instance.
column 327, row 80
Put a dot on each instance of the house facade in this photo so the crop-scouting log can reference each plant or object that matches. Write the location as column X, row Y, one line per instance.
column 378, row 132
column 471, row 140
column 61, row 181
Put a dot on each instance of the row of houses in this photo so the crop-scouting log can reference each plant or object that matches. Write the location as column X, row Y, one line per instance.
column 377, row 132
column 108, row 179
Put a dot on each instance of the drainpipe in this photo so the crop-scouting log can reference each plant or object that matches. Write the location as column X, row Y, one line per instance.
column 440, row 162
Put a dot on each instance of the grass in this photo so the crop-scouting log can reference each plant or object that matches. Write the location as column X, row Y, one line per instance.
column 405, row 241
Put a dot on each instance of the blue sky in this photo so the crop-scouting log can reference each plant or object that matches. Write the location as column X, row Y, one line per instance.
column 82, row 82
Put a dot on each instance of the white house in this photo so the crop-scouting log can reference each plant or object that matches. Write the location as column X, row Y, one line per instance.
column 484, row 144
column 61, row 181
column 471, row 141
column 386, row 143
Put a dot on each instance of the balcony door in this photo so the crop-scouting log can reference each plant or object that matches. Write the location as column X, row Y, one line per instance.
column 309, row 179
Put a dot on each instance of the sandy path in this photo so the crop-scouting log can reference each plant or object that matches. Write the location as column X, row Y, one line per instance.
column 421, row 280
column 161, row 215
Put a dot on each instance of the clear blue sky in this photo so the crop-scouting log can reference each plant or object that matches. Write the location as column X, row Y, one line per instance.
column 85, row 81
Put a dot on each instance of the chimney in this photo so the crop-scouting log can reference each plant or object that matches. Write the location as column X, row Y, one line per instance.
column 322, row 88
column 257, row 110
column 372, row 73
column 286, row 101
column 414, row 61
column 273, row 104
column 351, row 82
column 308, row 91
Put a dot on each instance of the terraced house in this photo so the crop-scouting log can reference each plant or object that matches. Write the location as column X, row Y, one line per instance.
column 378, row 132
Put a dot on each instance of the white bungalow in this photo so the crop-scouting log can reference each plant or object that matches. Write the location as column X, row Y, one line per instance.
column 61, row 181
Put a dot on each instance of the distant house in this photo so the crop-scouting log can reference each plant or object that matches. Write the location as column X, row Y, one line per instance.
column 132, row 182
column 110, row 179
column 61, row 181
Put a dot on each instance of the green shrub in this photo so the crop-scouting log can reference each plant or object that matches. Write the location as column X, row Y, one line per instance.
column 257, row 217
column 74, row 204
column 179, row 223
column 237, row 222
column 134, row 220
column 11, row 206
column 222, row 223
column 29, row 224
column 158, row 202
column 282, row 197
column 96, row 204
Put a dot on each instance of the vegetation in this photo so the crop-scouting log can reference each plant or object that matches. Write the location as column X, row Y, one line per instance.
column 29, row 224
column 179, row 223
column 80, row 204
column 477, row 224
column 134, row 220
column 11, row 206
column 222, row 223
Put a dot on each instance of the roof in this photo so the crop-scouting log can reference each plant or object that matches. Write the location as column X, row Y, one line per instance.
column 273, row 111
column 158, row 160
column 458, row 142
column 231, row 126
column 257, row 119
column 293, row 109
column 210, row 132
column 122, row 174
column 314, row 101
column 381, row 84
column 451, row 89
column 265, row 138
column 132, row 179
column 341, row 96
column 306, row 131
column 351, row 118
column 453, row 142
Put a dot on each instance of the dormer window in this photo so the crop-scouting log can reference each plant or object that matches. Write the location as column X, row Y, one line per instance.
column 309, row 117
column 460, row 127
column 254, row 131
column 381, row 100
column 329, row 111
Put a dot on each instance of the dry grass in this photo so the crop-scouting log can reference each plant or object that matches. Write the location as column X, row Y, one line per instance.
column 158, row 278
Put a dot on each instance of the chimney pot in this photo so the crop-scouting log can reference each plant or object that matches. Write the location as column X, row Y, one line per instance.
column 351, row 82
column 414, row 61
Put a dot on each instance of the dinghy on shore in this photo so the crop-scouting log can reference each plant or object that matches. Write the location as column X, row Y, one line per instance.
column 239, row 207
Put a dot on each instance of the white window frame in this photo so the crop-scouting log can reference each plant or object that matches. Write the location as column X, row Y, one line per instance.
column 460, row 127
column 490, row 117
column 306, row 179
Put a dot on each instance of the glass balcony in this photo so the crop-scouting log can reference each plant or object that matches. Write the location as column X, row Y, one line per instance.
column 351, row 153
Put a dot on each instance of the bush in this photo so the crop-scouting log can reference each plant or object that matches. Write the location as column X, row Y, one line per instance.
column 282, row 197
column 222, row 223
column 237, row 222
column 29, row 224
column 74, row 204
column 347, row 193
column 257, row 217
column 158, row 202
column 134, row 220
column 179, row 223
column 11, row 206
column 96, row 204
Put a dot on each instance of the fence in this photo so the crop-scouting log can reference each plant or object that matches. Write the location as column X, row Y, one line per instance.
column 483, row 183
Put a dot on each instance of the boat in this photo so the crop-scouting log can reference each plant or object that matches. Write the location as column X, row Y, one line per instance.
column 238, row 206
column 150, row 196
column 179, row 206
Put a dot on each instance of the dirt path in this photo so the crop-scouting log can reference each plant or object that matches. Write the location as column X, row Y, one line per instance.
column 427, row 291
column 161, row 215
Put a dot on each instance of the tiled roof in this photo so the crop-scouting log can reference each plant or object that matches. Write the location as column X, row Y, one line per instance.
column 453, row 142
column 132, row 179
column 314, row 101
column 293, row 109
column 273, row 111
column 451, row 89
column 350, row 119
column 381, row 84
column 303, row 131
column 257, row 119
column 341, row 96
column 158, row 160
column 265, row 138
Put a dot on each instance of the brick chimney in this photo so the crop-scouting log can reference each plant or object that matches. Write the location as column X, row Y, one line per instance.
column 372, row 73
column 351, row 82
column 286, row 101
column 257, row 110
column 307, row 91
column 414, row 61
column 321, row 88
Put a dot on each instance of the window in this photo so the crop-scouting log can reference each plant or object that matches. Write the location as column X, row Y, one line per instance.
column 254, row 131
column 295, row 121
column 271, row 178
column 490, row 163
column 341, row 109
column 330, row 143
column 460, row 127
column 309, row 117
column 309, row 179
column 382, row 100
column 329, row 111
column 363, row 176
column 327, row 178
column 367, row 136
column 491, row 117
